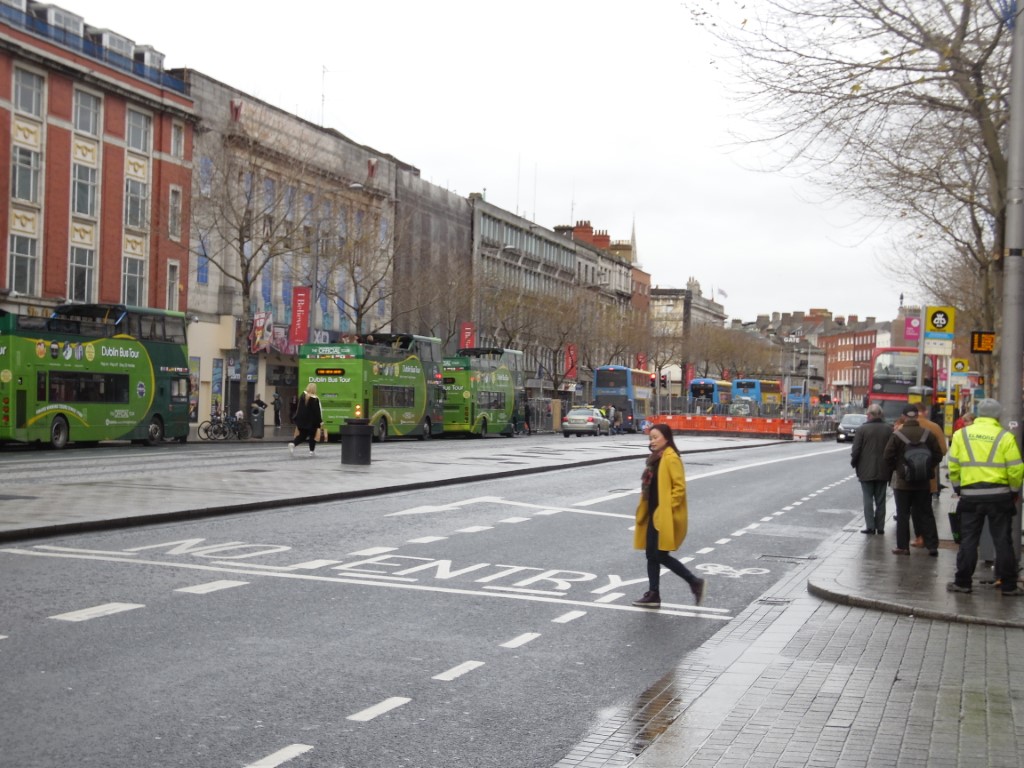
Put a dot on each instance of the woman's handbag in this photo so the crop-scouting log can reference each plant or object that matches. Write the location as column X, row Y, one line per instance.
column 321, row 435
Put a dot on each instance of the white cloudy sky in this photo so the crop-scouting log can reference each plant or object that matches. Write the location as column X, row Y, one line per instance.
column 561, row 110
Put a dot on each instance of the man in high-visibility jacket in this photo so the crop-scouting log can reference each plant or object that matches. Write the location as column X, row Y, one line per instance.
column 986, row 471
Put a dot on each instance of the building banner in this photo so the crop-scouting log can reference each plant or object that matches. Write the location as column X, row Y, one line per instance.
column 467, row 335
column 570, row 361
column 641, row 361
column 262, row 330
column 298, row 332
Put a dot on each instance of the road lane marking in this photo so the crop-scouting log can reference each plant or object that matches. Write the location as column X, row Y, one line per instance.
column 379, row 709
column 281, row 756
column 373, row 551
column 611, row 597
column 610, row 497
column 723, row 541
column 89, row 551
column 705, row 550
column 212, row 586
column 522, row 640
column 524, row 591
column 766, row 519
column 737, row 533
column 427, row 539
column 458, row 671
column 511, row 520
column 310, row 565
column 476, row 529
column 97, row 611
column 374, row 580
column 565, row 618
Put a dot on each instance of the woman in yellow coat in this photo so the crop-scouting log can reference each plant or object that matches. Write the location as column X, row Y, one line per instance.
column 661, row 531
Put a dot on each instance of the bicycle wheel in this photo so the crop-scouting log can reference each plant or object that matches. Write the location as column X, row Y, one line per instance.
column 204, row 430
column 244, row 430
column 219, row 431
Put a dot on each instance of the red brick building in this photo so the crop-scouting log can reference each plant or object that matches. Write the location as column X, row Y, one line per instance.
column 848, row 358
column 96, row 162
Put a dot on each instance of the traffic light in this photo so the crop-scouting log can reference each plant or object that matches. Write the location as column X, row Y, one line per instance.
column 654, row 380
column 664, row 381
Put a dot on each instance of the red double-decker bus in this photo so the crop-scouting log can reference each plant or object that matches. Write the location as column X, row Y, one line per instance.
column 893, row 373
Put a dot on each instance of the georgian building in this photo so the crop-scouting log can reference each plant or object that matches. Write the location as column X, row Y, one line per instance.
column 96, row 161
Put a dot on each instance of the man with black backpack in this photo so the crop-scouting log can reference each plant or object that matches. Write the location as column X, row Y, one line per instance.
column 911, row 456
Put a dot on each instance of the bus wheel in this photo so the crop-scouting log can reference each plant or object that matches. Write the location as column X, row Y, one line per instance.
column 426, row 434
column 156, row 432
column 59, row 433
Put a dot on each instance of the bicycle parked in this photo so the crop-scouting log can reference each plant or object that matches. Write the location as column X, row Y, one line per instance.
column 219, row 428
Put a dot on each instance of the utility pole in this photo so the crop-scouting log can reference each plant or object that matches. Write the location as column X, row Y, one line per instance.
column 1012, row 350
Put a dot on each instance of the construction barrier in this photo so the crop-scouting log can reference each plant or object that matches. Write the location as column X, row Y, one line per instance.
column 740, row 426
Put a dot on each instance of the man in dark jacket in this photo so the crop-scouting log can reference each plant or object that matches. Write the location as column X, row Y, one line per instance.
column 912, row 498
column 868, row 457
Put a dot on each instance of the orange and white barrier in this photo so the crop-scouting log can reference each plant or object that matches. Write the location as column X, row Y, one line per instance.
column 745, row 426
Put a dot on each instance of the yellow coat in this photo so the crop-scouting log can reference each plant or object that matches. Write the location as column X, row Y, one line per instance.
column 670, row 516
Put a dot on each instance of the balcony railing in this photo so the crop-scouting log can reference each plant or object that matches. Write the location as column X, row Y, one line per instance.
column 90, row 48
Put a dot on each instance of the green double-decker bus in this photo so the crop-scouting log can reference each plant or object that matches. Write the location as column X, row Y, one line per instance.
column 484, row 391
column 93, row 372
column 392, row 379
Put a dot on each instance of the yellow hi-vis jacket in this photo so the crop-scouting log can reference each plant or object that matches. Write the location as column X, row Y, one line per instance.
column 984, row 461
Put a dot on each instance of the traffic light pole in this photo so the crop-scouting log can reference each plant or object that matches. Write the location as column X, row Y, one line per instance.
column 1010, row 361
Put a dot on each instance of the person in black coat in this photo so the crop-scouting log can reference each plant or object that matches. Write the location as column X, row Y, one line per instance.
column 308, row 420
column 867, row 457
column 913, row 499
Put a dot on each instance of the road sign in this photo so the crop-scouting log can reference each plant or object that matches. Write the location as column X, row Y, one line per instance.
column 940, row 320
column 943, row 347
column 983, row 342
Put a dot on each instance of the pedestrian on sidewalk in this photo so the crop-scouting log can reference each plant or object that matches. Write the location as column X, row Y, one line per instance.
column 986, row 471
column 913, row 496
column 308, row 420
column 661, row 517
column 867, row 457
column 940, row 437
column 276, row 400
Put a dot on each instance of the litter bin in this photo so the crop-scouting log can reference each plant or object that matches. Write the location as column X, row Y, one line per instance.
column 356, row 439
column 257, row 423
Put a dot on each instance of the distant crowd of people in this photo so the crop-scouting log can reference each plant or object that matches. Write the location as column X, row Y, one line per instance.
column 984, row 468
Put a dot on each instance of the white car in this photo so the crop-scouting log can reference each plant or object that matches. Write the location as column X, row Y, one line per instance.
column 585, row 421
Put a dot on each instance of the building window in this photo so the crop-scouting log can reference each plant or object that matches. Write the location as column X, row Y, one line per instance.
column 205, row 176
column 24, row 264
column 174, row 215
column 203, row 262
column 178, row 140
column 140, row 129
column 28, row 92
column 83, row 190
column 136, row 203
column 173, row 278
column 82, row 274
column 24, row 174
column 132, row 281
column 87, row 113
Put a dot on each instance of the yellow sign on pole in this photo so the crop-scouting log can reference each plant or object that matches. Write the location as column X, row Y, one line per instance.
column 961, row 365
column 940, row 320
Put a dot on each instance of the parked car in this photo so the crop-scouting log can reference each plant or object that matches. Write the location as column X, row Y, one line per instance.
column 848, row 426
column 585, row 421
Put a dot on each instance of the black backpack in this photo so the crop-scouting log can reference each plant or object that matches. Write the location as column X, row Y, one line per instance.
column 917, row 459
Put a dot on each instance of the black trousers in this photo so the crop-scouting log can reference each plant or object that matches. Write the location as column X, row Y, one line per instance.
column 972, row 514
column 916, row 504
column 657, row 558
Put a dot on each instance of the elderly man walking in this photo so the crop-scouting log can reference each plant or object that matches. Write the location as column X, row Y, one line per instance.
column 986, row 471
column 867, row 457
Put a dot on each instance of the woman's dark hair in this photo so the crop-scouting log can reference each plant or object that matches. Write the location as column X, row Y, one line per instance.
column 666, row 432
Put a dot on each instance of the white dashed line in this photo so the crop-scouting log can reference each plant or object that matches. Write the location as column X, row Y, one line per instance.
column 476, row 529
column 766, row 519
column 427, row 539
column 547, row 512
column 515, row 520
column 683, row 560
column 523, row 639
column 107, row 609
column 281, row 756
column 379, row 709
column 565, row 618
column 723, row 541
column 737, row 533
column 212, row 586
column 705, row 551
column 459, row 671
column 752, row 526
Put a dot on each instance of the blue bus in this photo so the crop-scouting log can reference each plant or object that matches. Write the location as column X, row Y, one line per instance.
column 628, row 389
column 766, row 393
column 706, row 394
column 803, row 396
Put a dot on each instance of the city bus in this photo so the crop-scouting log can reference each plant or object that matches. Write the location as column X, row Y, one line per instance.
column 799, row 397
column 893, row 372
column 628, row 389
column 705, row 393
column 485, row 391
column 767, row 393
column 92, row 372
column 392, row 379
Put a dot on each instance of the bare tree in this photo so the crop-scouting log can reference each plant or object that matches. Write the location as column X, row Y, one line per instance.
column 900, row 104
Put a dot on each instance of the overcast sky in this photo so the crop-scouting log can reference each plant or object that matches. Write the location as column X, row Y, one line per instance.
column 561, row 110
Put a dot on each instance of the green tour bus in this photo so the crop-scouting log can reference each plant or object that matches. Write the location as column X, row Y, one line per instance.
column 392, row 379
column 93, row 372
column 484, row 391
